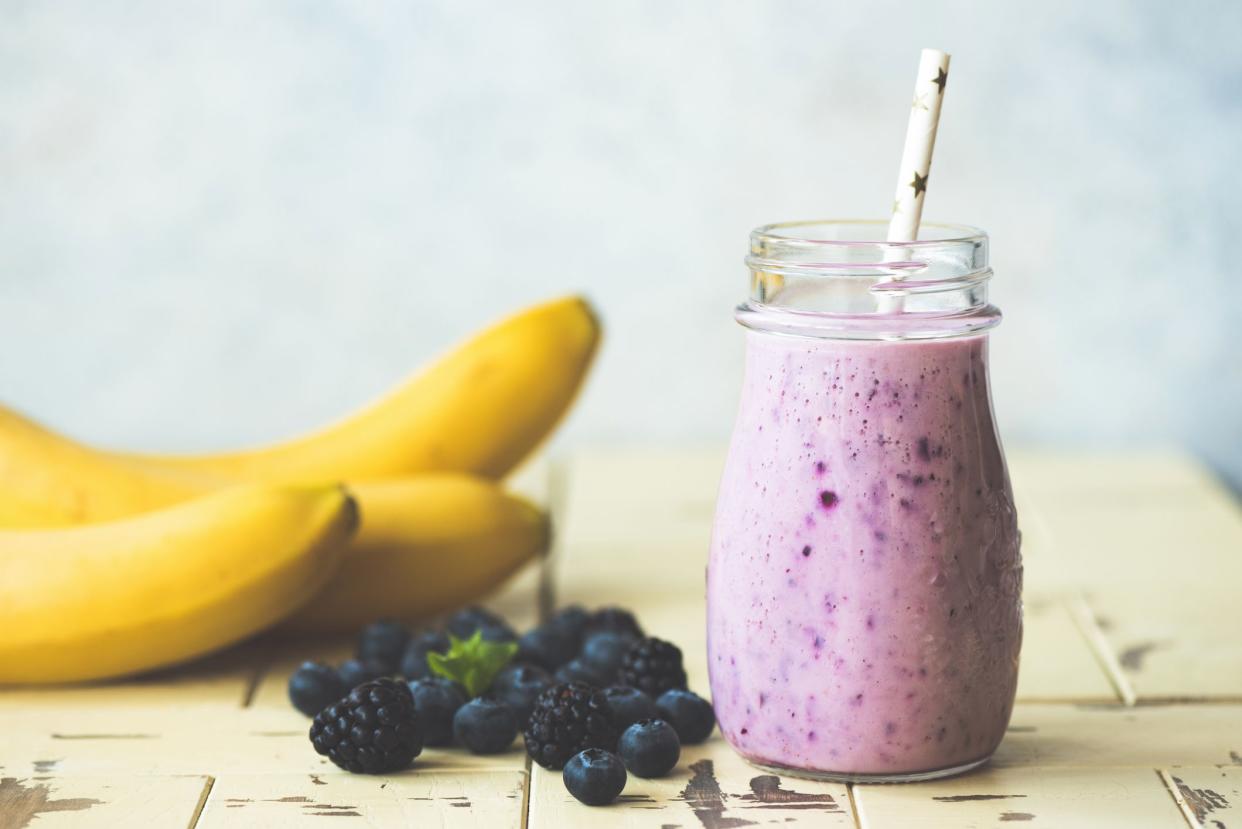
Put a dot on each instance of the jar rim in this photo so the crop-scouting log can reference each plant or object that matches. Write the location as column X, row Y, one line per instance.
column 940, row 233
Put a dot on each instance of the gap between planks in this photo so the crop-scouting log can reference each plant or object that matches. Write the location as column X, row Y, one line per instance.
column 1085, row 619
column 854, row 811
column 208, row 785
column 1176, row 793
column 256, row 679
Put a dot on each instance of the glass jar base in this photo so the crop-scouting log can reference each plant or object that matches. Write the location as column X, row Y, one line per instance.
column 852, row 777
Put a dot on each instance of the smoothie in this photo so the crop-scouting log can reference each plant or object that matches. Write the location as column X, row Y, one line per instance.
column 864, row 580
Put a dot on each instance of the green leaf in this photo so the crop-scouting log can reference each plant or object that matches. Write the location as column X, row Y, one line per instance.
column 472, row 663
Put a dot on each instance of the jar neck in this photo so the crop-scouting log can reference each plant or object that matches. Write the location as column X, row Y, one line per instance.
column 843, row 280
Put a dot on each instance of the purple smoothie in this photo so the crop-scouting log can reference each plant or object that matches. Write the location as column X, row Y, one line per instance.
column 864, row 611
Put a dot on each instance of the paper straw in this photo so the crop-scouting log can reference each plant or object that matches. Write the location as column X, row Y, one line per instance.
column 916, row 157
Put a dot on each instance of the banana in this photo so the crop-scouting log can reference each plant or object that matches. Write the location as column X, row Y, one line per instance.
column 47, row 480
column 426, row 545
column 111, row 599
column 481, row 408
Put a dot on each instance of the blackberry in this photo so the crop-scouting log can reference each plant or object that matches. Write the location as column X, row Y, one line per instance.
column 578, row 671
column 649, row 748
column 615, row 619
column 374, row 729
column 356, row 671
column 548, row 646
column 595, row 777
column 567, row 719
column 653, row 666
column 485, row 726
column 383, row 642
column 314, row 686
column 414, row 661
column 629, row 705
column 690, row 714
column 519, row 685
column 436, row 700
column 466, row 621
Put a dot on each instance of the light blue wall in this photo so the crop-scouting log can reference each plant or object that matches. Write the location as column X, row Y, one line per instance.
column 224, row 222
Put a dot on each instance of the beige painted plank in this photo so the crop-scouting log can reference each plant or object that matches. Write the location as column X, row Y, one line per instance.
column 711, row 787
column 626, row 512
column 1113, row 474
column 222, row 680
column 1187, row 548
column 1095, row 798
column 1210, row 797
column 190, row 741
column 489, row 800
column 1057, row 661
column 49, row 802
column 1173, row 647
column 1154, row 736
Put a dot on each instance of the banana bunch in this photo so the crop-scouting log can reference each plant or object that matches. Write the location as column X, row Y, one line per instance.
column 181, row 555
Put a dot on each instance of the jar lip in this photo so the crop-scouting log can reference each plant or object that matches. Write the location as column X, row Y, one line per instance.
column 949, row 233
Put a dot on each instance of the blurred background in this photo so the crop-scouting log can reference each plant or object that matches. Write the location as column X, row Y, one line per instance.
column 223, row 223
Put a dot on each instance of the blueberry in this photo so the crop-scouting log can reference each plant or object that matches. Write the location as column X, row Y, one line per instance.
column 615, row 619
column 605, row 650
column 689, row 713
column 650, row 748
column 485, row 726
column 414, row 662
column 465, row 622
column 383, row 642
column 548, row 646
column 314, row 686
column 436, row 701
column 354, row 672
column 578, row 671
column 596, row 777
column 629, row 705
column 572, row 620
column 518, row 686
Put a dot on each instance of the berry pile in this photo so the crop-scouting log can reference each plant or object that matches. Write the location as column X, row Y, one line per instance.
column 591, row 694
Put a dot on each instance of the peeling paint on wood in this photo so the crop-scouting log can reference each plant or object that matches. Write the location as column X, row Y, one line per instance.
column 1016, row 816
column 706, row 800
column 963, row 798
column 1132, row 658
column 766, row 793
column 1201, row 801
column 20, row 804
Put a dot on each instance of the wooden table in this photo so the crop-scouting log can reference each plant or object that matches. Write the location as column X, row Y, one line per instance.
column 1129, row 710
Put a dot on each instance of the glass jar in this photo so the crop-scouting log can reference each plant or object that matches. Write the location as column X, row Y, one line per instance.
column 864, row 583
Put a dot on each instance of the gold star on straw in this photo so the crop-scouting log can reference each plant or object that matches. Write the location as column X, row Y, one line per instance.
column 919, row 184
column 919, row 102
column 941, row 77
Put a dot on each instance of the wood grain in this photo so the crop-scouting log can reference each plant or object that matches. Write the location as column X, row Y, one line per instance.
column 50, row 801
column 486, row 800
column 1090, row 798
